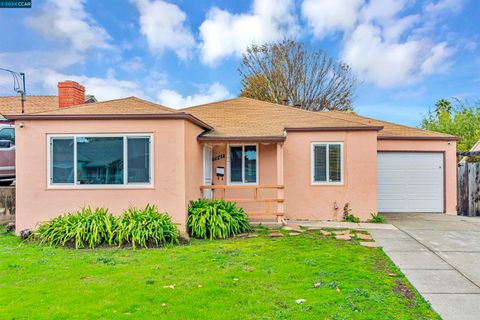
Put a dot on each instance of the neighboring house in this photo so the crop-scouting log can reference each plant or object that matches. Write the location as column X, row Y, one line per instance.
column 273, row 159
column 474, row 153
column 70, row 93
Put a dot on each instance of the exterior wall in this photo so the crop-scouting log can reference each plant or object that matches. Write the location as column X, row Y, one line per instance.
column 303, row 200
column 36, row 203
column 449, row 150
column 193, row 163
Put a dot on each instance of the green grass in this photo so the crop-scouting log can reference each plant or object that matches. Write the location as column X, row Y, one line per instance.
column 243, row 278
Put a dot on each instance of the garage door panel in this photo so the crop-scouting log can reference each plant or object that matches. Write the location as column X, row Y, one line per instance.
column 410, row 182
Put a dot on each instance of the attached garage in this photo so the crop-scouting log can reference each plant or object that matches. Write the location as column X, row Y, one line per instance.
column 410, row 181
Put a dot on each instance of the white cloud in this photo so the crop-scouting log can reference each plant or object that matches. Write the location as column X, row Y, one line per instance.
column 329, row 16
column 225, row 34
column 435, row 61
column 67, row 20
column 102, row 88
column 444, row 6
column 382, row 44
column 163, row 24
column 134, row 64
column 382, row 10
column 55, row 59
column 213, row 92
column 381, row 62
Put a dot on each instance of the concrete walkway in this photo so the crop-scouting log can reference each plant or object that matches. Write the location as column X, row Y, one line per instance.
column 440, row 256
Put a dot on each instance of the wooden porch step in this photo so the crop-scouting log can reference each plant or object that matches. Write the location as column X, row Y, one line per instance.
column 258, row 200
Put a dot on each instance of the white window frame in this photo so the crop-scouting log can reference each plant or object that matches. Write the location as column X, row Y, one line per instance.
column 74, row 185
column 312, row 163
column 243, row 164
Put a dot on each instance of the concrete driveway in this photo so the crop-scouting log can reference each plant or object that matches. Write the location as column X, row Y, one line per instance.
column 440, row 256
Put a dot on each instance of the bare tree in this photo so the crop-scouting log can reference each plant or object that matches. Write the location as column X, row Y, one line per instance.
column 286, row 71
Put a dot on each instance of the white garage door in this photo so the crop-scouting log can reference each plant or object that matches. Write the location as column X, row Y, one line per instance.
column 410, row 182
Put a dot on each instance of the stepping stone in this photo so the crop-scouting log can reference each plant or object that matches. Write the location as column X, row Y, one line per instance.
column 253, row 235
column 274, row 235
column 293, row 233
column 363, row 236
column 241, row 235
column 325, row 233
column 369, row 244
column 341, row 232
column 343, row 237
column 314, row 228
column 293, row 229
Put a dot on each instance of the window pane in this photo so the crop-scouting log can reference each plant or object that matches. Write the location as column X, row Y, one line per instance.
column 250, row 164
column 320, row 163
column 100, row 160
column 138, row 160
column 236, row 164
column 62, row 160
column 334, row 159
column 8, row 134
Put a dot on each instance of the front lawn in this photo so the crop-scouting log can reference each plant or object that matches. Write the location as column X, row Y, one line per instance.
column 243, row 278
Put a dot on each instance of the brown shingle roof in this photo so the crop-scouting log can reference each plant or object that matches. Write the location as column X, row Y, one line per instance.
column 245, row 117
column 13, row 105
column 124, row 106
column 391, row 130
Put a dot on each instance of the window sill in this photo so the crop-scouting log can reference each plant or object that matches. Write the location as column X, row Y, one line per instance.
column 241, row 184
column 106, row 187
column 327, row 184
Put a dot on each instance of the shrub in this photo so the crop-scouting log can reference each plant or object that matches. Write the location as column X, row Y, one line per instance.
column 213, row 219
column 351, row 218
column 146, row 227
column 376, row 218
column 94, row 227
column 87, row 226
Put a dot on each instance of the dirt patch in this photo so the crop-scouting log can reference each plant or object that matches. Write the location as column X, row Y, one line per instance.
column 403, row 289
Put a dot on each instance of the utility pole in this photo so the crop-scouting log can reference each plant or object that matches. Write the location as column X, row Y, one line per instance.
column 18, row 85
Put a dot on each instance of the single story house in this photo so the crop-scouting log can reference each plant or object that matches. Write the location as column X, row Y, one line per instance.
column 275, row 161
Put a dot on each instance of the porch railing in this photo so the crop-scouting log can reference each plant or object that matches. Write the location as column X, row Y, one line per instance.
column 220, row 193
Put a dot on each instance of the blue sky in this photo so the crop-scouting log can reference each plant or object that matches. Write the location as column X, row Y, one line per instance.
column 407, row 54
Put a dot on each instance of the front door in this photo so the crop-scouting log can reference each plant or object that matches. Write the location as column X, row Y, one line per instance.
column 207, row 171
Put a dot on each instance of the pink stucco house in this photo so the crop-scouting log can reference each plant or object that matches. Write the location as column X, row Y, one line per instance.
column 275, row 161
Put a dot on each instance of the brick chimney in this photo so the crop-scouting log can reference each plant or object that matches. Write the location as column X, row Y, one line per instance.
column 70, row 93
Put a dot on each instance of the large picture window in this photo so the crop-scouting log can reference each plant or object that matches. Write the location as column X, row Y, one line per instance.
column 100, row 160
column 327, row 163
column 243, row 164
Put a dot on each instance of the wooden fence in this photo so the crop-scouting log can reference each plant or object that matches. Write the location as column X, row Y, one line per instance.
column 469, row 189
column 7, row 204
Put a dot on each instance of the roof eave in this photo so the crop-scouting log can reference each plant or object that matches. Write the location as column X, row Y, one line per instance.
column 179, row 115
column 241, row 139
column 452, row 138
